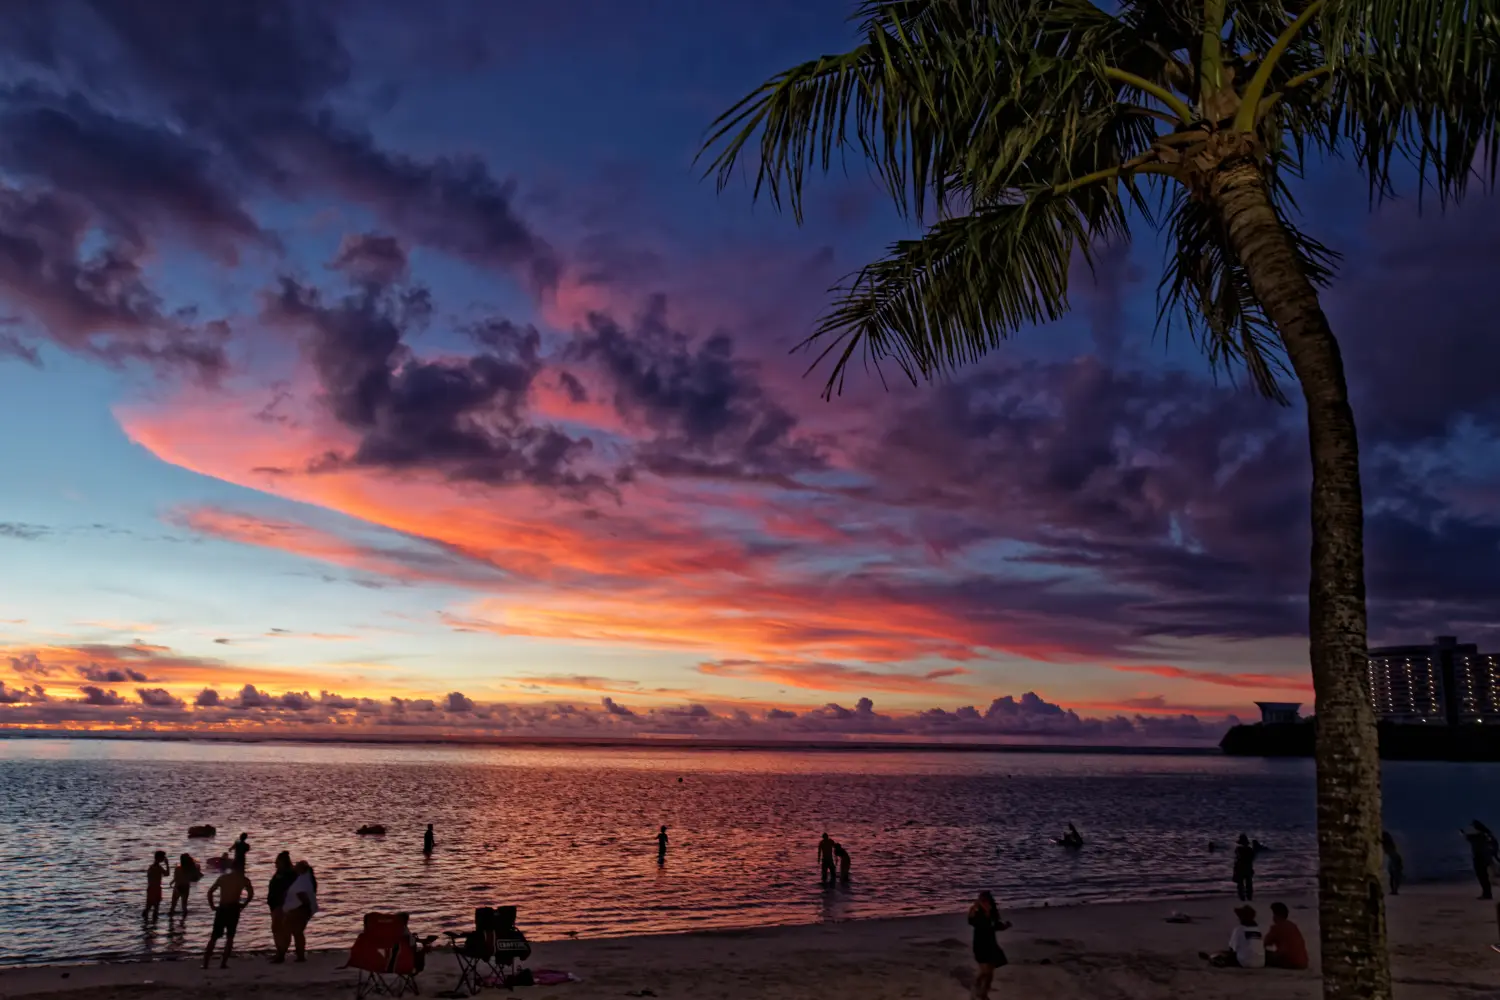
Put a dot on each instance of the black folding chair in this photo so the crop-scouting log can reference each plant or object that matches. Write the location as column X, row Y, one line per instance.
column 488, row 955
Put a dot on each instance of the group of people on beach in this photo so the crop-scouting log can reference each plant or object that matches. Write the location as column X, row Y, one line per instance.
column 291, row 895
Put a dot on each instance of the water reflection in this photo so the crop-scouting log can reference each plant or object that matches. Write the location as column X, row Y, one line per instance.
column 569, row 835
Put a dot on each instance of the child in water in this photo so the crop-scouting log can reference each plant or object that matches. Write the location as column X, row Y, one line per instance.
column 159, row 870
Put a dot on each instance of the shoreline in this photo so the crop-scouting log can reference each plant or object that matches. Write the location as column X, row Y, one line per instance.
column 1440, row 937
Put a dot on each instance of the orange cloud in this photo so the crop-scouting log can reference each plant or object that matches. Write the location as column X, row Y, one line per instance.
column 835, row 677
column 1247, row 681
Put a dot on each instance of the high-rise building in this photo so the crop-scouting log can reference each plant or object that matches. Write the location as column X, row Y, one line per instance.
column 1477, row 687
column 1445, row 683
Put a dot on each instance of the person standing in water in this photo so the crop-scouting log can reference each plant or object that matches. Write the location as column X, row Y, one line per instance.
column 842, row 856
column 984, row 917
column 661, row 847
column 428, row 841
column 1244, row 869
column 227, row 906
column 159, row 870
column 827, row 872
column 183, row 878
column 241, row 848
column 1394, row 866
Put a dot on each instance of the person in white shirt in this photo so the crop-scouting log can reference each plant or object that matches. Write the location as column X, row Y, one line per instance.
column 300, row 905
column 1247, row 945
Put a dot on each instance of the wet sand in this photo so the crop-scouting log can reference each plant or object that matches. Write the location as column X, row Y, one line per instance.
column 1440, row 948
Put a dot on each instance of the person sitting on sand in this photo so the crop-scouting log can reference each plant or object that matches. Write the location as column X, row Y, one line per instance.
column 1285, row 948
column 159, row 869
column 984, row 917
column 842, row 856
column 1395, row 867
column 1247, row 947
column 183, row 878
column 224, row 900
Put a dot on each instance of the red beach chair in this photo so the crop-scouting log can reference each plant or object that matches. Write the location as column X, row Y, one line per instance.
column 386, row 956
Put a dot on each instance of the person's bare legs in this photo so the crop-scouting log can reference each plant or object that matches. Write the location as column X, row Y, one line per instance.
column 297, row 924
column 208, row 952
column 228, row 949
column 280, row 935
column 982, row 980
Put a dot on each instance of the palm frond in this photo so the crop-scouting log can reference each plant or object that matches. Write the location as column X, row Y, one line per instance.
column 1205, row 286
column 1417, row 81
column 969, row 283
column 948, row 97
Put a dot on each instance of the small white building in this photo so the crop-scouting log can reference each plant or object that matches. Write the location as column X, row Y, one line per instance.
column 1279, row 713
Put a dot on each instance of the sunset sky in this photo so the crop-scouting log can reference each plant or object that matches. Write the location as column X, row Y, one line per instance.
column 373, row 364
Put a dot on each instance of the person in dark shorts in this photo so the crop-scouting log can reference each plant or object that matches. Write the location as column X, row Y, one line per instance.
column 827, row 871
column 1244, row 869
column 1483, row 847
column 183, row 878
column 984, row 917
column 159, row 870
column 224, row 899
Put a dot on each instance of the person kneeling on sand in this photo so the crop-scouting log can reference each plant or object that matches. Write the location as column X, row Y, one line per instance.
column 1247, row 948
column 1285, row 948
column 227, row 906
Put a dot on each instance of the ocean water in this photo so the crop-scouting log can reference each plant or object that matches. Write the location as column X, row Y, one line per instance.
column 568, row 835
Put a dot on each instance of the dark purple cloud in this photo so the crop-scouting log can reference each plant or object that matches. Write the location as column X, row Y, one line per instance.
column 110, row 675
column 706, row 411
column 1028, row 716
column 466, row 418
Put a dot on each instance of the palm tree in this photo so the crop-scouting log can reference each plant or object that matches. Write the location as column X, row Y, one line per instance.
column 1023, row 132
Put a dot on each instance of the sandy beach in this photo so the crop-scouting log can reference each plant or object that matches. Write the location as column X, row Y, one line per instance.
column 1440, row 939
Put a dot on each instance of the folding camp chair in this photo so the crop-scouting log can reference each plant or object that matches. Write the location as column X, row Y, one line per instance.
column 386, row 957
column 488, row 954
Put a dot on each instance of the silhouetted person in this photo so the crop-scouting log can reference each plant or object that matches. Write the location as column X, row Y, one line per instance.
column 1395, row 867
column 241, row 848
column 661, row 847
column 183, row 878
column 300, row 905
column 842, row 857
column 159, row 870
column 1244, row 869
column 1072, row 838
column 224, row 899
column 1258, row 848
column 1483, row 848
column 428, row 840
column 281, row 881
column 984, row 917
column 1285, row 947
column 826, row 869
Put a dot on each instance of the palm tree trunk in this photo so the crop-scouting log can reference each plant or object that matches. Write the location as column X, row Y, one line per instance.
column 1351, row 904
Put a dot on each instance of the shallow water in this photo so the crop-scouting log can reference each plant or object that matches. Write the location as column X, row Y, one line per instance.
column 568, row 835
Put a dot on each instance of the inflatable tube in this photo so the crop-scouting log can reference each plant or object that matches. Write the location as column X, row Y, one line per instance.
column 371, row 830
column 206, row 830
